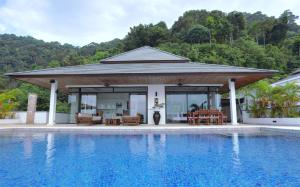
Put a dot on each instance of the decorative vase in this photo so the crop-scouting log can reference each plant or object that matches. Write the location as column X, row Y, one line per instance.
column 156, row 117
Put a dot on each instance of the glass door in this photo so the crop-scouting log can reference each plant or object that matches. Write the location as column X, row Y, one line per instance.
column 138, row 105
column 197, row 101
column 176, row 108
column 88, row 103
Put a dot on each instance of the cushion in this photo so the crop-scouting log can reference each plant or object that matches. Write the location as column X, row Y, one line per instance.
column 84, row 115
column 96, row 118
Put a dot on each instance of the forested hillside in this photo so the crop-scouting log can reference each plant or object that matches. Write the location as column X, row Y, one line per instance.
column 236, row 38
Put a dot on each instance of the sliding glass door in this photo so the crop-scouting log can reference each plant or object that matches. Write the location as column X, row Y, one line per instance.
column 138, row 105
column 176, row 108
column 88, row 103
column 196, row 102
column 178, row 105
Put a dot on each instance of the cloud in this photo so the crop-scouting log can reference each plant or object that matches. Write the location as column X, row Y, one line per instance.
column 80, row 22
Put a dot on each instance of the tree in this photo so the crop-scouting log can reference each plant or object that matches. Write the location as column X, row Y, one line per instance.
column 54, row 64
column 198, row 34
column 291, row 20
column 9, row 102
column 273, row 101
column 238, row 21
column 279, row 30
column 141, row 35
column 296, row 46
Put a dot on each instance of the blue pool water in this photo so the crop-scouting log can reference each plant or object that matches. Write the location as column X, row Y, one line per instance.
column 66, row 159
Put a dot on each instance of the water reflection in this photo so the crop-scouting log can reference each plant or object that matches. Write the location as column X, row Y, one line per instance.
column 236, row 149
column 27, row 147
column 156, row 145
column 50, row 150
column 137, row 144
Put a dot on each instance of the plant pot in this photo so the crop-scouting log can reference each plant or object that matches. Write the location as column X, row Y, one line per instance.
column 156, row 117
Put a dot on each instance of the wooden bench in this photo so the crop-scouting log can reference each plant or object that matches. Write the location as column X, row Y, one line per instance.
column 88, row 119
column 131, row 120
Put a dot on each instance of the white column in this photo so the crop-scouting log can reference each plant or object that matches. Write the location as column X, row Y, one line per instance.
column 156, row 91
column 233, row 113
column 52, row 106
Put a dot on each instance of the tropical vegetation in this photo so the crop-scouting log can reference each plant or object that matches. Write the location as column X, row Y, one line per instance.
column 273, row 101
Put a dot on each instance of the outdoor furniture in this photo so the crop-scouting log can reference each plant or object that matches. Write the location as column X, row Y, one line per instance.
column 113, row 121
column 190, row 117
column 211, row 116
column 131, row 120
column 88, row 119
column 223, row 118
column 201, row 116
column 215, row 116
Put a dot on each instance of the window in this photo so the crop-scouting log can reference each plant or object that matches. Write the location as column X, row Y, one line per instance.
column 88, row 103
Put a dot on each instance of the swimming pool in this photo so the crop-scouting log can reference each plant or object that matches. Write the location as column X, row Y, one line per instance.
column 73, row 159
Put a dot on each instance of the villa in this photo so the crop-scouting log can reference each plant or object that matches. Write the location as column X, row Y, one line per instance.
column 140, row 80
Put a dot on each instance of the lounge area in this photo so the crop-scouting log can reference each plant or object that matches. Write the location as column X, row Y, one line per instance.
column 97, row 119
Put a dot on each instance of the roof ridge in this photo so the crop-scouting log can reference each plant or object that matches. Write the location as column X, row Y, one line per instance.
column 184, row 58
column 117, row 55
column 148, row 47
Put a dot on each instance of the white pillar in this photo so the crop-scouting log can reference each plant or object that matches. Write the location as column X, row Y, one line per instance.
column 233, row 113
column 52, row 106
column 156, row 91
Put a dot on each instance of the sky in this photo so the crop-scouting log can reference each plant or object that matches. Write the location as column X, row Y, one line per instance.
column 80, row 22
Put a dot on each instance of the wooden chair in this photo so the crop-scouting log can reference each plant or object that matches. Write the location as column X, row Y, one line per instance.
column 191, row 118
column 202, row 115
column 214, row 116
column 223, row 118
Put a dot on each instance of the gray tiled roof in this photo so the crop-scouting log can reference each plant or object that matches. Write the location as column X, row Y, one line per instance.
column 145, row 53
column 141, row 68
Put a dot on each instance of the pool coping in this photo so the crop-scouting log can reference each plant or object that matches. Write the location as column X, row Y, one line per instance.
column 152, row 129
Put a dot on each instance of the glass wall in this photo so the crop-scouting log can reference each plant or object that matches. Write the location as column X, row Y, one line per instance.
column 176, row 105
column 181, row 100
column 138, row 105
column 88, row 103
column 197, row 101
column 113, row 104
column 73, row 101
column 110, row 102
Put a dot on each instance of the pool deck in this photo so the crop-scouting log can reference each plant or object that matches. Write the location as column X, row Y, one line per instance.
column 177, row 128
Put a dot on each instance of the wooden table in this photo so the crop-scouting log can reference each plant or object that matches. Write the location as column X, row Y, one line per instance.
column 113, row 121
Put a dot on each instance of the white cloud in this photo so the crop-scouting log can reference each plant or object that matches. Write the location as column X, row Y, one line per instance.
column 80, row 22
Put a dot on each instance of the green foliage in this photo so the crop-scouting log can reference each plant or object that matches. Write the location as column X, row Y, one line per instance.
column 43, row 96
column 276, row 101
column 99, row 55
column 9, row 102
column 197, row 34
column 238, row 22
column 243, row 53
column 151, row 35
column 54, row 64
